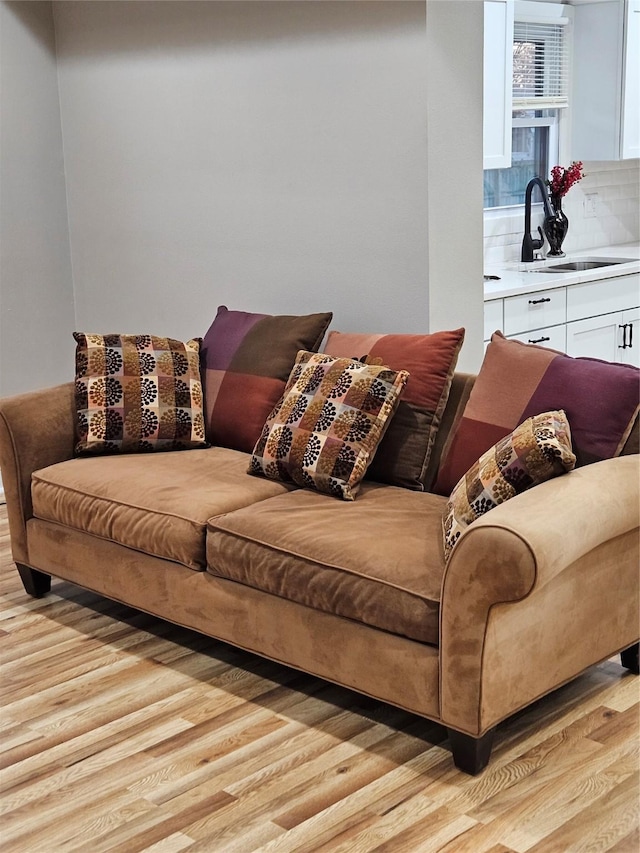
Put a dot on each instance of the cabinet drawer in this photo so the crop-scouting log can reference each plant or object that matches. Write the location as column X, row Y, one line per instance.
column 534, row 310
column 493, row 318
column 554, row 337
column 603, row 296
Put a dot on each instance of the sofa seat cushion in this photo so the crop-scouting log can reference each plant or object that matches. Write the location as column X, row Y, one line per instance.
column 378, row 560
column 155, row 503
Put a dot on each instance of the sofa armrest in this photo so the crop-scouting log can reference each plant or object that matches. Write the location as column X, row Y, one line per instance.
column 515, row 552
column 36, row 429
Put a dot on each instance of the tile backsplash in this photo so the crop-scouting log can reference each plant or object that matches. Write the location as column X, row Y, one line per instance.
column 603, row 210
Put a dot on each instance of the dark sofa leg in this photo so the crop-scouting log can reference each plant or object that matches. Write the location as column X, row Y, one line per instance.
column 471, row 754
column 629, row 659
column 35, row 583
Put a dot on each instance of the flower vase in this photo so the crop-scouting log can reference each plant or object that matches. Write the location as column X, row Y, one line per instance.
column 555, row 228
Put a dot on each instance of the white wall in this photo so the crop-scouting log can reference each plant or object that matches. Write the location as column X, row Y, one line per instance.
column 268, row 156
column 278, row 157
column 455, row 191
column 36, row 295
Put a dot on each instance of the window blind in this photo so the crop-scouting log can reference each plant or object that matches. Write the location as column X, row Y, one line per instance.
column 540, row 65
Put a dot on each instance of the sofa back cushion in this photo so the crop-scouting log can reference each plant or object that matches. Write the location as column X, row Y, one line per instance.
column 246, row 360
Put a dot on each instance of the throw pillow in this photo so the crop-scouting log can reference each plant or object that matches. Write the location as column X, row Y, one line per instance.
column 137, row 393
column 537, row 450
column 405, row 450
column 246, row 359
column 517, row 380
column 326, row 428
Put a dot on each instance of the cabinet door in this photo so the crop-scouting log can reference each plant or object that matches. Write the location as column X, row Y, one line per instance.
column 498, row 82
column 631, row 83
column 596, row 337
column 596, row 107
column 629, row 347
column 606, row 80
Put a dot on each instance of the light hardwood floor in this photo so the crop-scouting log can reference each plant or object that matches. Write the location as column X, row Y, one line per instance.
column 121, row 732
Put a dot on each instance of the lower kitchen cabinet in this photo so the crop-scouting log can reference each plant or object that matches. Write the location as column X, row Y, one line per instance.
column 493, row 317
column 597, row 319
column 612, row 337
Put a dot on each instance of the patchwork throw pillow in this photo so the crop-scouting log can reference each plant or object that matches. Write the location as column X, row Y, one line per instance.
column 137, row 393
column 536, row 451
column 324, row 432
column 246, row 360
column 518, row 380
column 403, row 456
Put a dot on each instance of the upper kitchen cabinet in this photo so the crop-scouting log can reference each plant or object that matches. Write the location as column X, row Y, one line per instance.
column 498, row 71
column 631, row 103
column 606, row 80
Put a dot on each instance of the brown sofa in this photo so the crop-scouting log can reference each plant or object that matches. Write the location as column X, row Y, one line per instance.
column 358, row 593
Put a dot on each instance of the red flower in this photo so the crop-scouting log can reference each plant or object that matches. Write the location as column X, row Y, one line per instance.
column 563, row 179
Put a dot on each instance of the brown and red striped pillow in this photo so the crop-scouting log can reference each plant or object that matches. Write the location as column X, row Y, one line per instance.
column 246, row 360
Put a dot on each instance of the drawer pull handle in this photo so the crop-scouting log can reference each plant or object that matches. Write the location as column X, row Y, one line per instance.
column 539, row 340
column 625, row 344
column 539, row 301
column 623, row 326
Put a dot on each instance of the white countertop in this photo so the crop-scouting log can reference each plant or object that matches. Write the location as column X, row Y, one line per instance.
column 517, row 278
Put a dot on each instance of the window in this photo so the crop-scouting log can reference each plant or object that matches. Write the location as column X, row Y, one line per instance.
column 540, row 86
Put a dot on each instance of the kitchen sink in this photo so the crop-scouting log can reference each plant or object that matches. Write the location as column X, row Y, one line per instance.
column 584, row 264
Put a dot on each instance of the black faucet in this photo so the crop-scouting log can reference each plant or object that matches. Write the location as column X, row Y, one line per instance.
column 529, row 243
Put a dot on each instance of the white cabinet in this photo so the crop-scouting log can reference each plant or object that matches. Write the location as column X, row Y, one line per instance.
column 612, row 337
column 493, row 317
column 606, row 80
column 597, row 319
column 603, row 296
column 553, row 337
column 537, row 318
column 604, row 319
column 532, row 311
column 498, row 73
column 629, row 351
column 631, row 83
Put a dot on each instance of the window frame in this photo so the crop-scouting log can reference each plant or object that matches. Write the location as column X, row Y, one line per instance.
column 557, row 122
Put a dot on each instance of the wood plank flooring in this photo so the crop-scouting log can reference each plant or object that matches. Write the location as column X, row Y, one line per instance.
column 120, row 732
